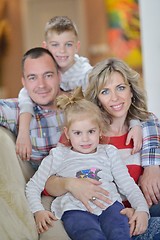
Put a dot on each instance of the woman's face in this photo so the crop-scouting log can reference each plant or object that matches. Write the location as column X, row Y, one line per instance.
column 116, row 96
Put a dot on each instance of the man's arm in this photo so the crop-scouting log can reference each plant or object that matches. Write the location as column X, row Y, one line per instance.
column 150, row 155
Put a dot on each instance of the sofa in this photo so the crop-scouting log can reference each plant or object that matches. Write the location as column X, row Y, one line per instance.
column 16, row 221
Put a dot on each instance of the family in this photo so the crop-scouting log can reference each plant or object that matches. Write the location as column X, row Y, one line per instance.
column 94, row 148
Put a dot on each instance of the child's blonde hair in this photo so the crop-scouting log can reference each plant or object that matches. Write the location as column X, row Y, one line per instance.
column 76, row 108
column 60, row 24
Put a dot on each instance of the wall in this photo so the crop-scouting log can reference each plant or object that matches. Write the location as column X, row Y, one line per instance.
column 150, row 18
column 11, row 73
column 33, row 24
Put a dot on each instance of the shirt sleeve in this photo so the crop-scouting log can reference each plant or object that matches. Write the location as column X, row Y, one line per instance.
column 125, row 183
column 25, row 102
column 36, row 184
column 134, row 122
column 150, row 154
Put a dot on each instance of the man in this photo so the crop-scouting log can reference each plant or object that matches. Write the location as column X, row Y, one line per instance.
column 41, row 79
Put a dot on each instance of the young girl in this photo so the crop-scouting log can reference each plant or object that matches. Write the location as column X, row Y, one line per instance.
column 85, row 157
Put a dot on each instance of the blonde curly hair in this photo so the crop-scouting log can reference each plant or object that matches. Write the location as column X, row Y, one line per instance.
column 99, row 77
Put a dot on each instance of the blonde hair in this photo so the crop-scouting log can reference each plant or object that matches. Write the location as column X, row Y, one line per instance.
column 100, row 75
column 75, row 107
column 60, row 24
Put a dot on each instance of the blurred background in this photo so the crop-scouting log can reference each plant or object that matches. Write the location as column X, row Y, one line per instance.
column 126, row 29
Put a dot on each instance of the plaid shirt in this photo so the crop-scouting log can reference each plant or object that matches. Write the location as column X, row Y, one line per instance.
column 45, row 127
column 150, row 153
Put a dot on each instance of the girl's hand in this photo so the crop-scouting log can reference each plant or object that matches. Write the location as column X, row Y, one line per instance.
column 44, row 219
column 141, row 222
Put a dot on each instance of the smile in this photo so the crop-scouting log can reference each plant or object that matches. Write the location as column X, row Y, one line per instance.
column 117, row 107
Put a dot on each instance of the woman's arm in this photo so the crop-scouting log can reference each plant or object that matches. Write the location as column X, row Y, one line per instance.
column 82, row 189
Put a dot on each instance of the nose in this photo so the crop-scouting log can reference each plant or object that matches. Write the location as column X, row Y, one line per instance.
column 85, row 137
column 62, row 48
column 41, row 81
column 114, row 96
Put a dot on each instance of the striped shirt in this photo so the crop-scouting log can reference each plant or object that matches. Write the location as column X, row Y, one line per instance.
column 104, row 165
column 45, row 127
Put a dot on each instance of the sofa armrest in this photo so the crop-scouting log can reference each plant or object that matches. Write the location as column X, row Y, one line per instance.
column 7, row 147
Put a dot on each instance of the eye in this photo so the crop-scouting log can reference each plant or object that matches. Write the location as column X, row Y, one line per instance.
column 77, row 133
column 69, row 44
column 91, row 131
column 104, row 91
column 48, row 75
column 32, row 78
column 54, row 44
column 121, row 87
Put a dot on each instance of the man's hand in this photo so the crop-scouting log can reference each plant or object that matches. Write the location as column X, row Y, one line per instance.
column 44, row 219
column 86, row 188
column 150, row 184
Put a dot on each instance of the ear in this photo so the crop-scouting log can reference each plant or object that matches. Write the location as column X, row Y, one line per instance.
column 44, row 44
column 65, row 129
column 23, row 81
column 78, row 46
column 100, row 133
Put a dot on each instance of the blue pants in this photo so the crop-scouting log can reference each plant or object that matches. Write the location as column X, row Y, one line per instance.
column 155, row 210
column 110, row 225
column 152, row 232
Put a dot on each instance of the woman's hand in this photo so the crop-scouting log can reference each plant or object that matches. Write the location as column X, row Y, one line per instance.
column 43, row 220
column 85, row 189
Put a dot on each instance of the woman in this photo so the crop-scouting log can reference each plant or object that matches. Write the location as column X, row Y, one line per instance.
column 114, row 87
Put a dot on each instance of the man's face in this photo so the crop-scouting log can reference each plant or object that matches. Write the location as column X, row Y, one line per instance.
column 41, row 80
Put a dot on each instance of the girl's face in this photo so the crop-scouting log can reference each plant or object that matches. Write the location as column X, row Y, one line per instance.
column 84, row 135
column 116, row 96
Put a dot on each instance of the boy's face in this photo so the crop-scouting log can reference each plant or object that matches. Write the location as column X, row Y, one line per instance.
column 63, row 47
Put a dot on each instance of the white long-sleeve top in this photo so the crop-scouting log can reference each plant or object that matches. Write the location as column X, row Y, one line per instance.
column 75, row 76
column 104, row 165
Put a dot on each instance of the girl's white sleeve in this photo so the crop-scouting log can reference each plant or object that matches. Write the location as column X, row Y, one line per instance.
column 25, row 102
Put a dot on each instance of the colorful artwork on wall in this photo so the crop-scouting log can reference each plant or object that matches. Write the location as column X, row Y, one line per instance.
column 123, row 32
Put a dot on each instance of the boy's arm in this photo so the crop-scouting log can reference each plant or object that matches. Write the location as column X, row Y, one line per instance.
column 25, row 102
column 23, row 143
column 150, row 156
column 135, row 133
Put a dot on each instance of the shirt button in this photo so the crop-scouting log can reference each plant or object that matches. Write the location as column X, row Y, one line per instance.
column 44, row 134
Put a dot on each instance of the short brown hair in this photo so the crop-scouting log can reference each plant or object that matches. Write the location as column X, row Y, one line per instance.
column 60, row 24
